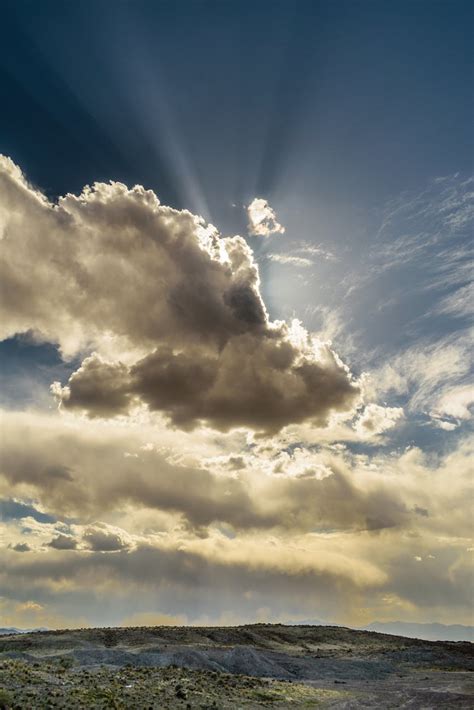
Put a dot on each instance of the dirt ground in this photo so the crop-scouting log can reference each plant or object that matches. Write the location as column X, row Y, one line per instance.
column 257, row 666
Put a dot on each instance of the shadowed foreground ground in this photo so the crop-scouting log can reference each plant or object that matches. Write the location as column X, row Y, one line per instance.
column 258, row 666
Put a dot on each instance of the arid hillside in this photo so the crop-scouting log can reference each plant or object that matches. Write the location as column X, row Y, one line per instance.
column 255, row 666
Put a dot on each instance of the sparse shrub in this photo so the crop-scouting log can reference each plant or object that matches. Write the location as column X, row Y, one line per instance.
column 180, row 692
column 67, row 662
column 6, row 699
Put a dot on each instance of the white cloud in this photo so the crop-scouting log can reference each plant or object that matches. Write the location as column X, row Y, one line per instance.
column 455, row 404
column 425, row 374
column 316, row 250
column 290, row 259
column 376, row 419
column 459, row 303
column 262, row 219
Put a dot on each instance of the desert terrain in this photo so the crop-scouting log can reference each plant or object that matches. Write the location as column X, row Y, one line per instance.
column 254, row 666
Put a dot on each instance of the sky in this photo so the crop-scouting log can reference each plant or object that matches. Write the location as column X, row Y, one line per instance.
column 235, row 312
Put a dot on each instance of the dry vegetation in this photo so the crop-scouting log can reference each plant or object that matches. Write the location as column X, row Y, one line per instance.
column 258, row 666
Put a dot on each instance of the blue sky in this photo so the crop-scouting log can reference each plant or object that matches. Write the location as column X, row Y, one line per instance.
column 353, row 120
column 350, row 102
column 329, row 110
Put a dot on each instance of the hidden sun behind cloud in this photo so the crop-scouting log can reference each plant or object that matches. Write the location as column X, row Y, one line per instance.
column 203, row 456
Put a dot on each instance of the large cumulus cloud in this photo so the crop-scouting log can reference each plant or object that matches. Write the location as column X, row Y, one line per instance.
column 169, row 311
column 262, row 380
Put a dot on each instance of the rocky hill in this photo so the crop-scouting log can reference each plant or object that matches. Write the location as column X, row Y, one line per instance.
column 253, row 666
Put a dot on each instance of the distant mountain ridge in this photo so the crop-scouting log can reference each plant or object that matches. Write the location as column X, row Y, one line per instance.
column 425, row 632
column 14, row 630
column 429, row 632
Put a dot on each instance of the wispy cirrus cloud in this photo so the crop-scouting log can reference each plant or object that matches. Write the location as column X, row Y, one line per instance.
column 290, row 260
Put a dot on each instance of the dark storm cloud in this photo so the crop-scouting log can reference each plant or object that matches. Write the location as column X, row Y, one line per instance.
column 114, row 270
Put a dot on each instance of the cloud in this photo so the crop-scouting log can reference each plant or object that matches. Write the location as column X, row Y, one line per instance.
column 288, row 527
column 129, row 517
column 290, row 260
column 170, row 312
column 410, row 282
column 342, row 576
column 122, row 271
column 302, row 256
column 428, row 374
column 269, row 489
column 376, row 419
column 100, row 538
column 459, row 303
column 263, row 382
column 100, row 387
column 441, row 211
column 21, row 547
column 454, row 407
column 30, row 606
column 166, row 579
column 457, row 402
column 63, row 542
column 316, row 250
column 262, row 219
